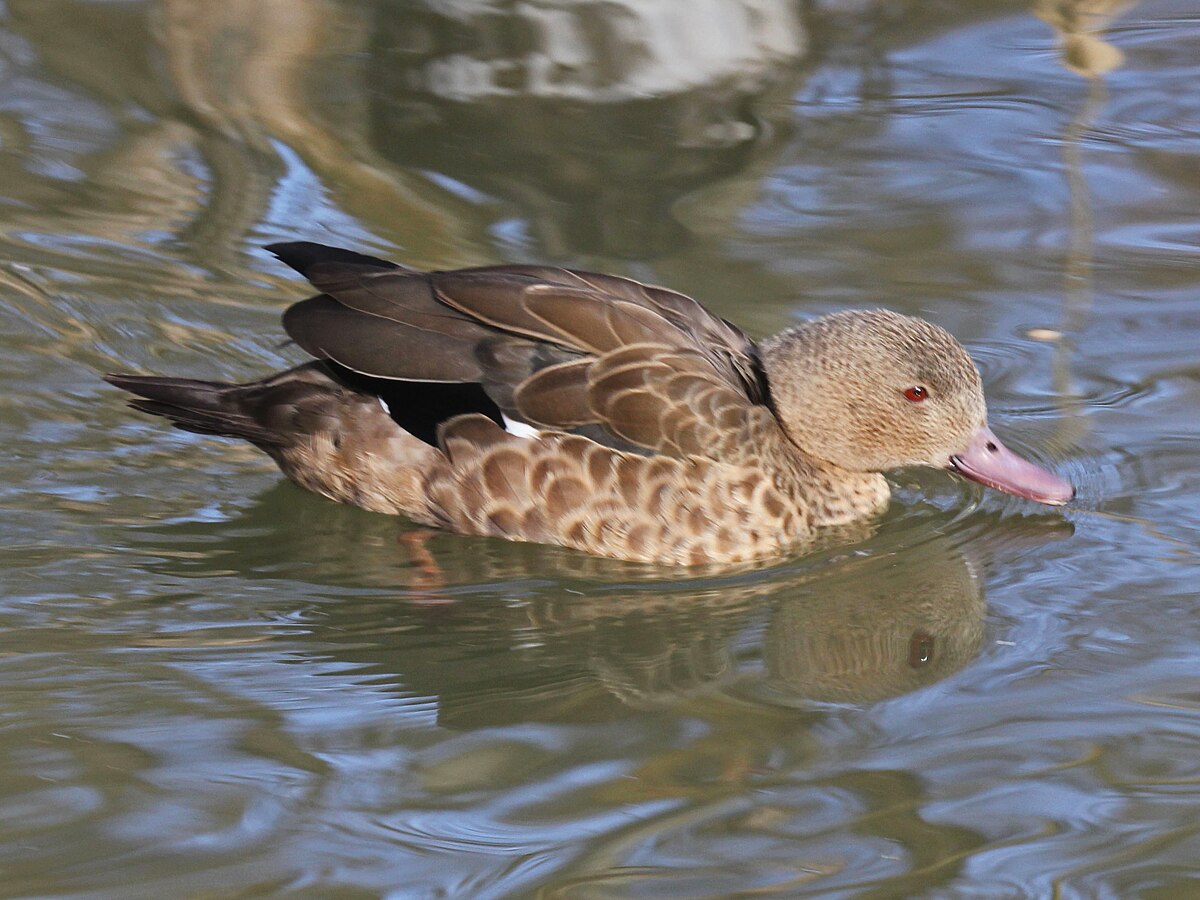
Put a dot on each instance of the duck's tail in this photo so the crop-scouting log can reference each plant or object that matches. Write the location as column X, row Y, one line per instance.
column 204, row 407
column 255, row 412
column 325, row 436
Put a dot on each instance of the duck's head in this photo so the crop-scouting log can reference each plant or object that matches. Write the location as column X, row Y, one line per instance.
column 874, row 390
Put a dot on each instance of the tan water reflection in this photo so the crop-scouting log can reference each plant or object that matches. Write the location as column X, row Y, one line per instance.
column 1080, row 26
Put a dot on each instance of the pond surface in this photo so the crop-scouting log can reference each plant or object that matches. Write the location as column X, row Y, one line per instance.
column 214, row 684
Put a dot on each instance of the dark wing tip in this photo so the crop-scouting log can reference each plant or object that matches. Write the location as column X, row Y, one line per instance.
column 303, row 256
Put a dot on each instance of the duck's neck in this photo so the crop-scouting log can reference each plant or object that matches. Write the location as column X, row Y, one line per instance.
column 831, row 495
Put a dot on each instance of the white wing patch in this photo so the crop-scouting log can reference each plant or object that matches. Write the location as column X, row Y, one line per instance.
column 382, row 403
column 520, row 429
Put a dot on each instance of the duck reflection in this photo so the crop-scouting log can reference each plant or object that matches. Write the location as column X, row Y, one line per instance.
column 876, row 627
column 591, row 640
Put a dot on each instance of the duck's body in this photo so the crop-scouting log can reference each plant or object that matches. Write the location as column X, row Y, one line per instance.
column 540, row 404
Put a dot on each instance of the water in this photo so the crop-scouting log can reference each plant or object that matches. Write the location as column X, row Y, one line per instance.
column 216, row 685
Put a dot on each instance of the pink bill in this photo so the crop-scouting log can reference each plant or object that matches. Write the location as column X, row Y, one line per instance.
column 989, row 462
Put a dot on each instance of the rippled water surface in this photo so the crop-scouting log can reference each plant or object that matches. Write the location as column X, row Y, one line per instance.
column 214, row 684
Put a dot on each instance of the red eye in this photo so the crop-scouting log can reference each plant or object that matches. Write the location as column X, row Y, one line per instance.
column 916, row 394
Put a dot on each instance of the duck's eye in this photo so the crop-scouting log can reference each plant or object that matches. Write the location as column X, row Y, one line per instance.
column 916, row 394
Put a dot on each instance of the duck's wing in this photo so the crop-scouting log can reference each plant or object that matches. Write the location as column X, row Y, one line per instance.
column 619, row 361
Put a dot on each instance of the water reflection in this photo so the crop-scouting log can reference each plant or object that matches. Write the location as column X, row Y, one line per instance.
column 422, row 119
column 595, row 117
column 880, row 627
column 581, row 642
column 571, row 655
column 1080, row 26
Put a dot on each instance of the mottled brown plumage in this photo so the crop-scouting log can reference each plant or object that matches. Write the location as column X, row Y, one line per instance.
column 664, row 434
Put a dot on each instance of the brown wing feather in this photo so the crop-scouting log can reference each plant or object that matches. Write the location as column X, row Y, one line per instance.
column 373, row 345
column 558, row 349
column 672, row 400
column 557, row 396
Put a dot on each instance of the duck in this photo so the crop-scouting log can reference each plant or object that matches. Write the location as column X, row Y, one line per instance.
column 621, row 419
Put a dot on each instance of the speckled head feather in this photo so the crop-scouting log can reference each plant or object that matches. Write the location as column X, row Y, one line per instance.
column 625, row 420
column 839, row 385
